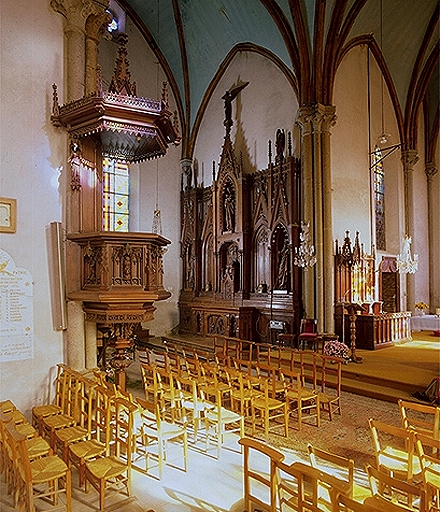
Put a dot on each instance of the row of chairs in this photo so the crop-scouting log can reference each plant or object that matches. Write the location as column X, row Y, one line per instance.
column 410, row 452
column 31, row 469
column 326, row 483
column 92, row 426
column 303, row 382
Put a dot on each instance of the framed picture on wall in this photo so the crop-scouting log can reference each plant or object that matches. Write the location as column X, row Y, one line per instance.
column 8, row 215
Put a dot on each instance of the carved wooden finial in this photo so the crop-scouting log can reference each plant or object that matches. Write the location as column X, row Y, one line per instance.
column 55, row 104
column 120, row 83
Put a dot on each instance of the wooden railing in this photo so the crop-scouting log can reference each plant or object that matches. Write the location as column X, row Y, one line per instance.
column 377, row 331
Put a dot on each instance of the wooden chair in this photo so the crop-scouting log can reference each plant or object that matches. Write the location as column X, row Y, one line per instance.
column 209, row 382
column 189, row 406
column 340, row 467
column 394, row 451
column 242, row 392
column 57, row 407
column 421, row 417
column 155, row 430
column 219, row 420
column 428, row 451
column 260, row 475
column 307, row 368
column 308, row 334
column 42, row 478
column 389, row 492
column 149, row 382
column 299, row 488
column 331, row 378
column 270, row 410
column 270, row 373
column 115, row 469
column 98, row 442
column 302, row 401
column 82, row 430
column 69, row 416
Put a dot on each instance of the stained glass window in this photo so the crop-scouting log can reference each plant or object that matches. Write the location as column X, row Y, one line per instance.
column 379, row 198
column 115, row 197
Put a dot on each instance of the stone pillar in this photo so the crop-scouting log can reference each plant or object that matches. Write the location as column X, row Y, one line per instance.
column 95, row 27
column 409, row 159
column 329, row 120
column 315, row 122
column 431, row 171
column 91, row 344
column 75, row 356
column 304, row 121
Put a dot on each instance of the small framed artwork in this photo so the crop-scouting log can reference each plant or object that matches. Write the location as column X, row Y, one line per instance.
column 8, row 215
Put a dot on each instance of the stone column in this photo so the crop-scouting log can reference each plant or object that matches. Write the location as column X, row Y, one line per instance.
column 75, row 356
column 315, row 122
column 304, row 121
column 95, row 27
column 91, row 344
column 409, row 159
column 431, row 171
column 329, row 120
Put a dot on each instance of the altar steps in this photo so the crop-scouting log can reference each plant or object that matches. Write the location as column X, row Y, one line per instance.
column 386, row 374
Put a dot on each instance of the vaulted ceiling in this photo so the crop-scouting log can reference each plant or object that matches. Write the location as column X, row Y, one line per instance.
column 195, row 39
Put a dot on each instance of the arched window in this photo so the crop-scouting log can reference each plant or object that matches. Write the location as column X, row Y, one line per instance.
column 379, row 198
column 115, row 195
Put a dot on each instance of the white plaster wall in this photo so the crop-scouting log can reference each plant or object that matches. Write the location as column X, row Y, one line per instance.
column 266, row 104
column 31, row 150
column 351, row 178
column 435, row 219
column 420, row 242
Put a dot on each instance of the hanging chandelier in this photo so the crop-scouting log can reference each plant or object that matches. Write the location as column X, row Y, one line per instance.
column 304, row 254
column 406, row 263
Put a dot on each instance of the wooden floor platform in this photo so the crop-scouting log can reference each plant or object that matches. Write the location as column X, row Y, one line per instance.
column 388, row 374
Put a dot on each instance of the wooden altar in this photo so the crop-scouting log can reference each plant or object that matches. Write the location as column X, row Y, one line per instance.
column 355, row 291
column 237, row 243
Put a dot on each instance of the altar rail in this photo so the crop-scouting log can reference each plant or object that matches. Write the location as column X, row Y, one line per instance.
column 377, row 331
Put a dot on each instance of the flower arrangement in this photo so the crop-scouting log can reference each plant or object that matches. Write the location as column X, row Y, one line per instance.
column 421, row 305
column 336, row 348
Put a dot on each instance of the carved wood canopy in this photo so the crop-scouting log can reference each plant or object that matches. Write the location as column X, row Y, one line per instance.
column 128, row 127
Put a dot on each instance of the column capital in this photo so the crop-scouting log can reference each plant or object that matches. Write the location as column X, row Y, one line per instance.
column 316, row 118
column 409, row 159
column 76, row 12
column 430, row 171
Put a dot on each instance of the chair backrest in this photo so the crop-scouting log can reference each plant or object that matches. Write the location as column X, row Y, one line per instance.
column 261, row 474
column 309, row 325
column 428, row 451
column 331, row 374
column 422, row 417
column 123, row 436
column 394, row 450
column 333, row 464
column 103, row 414
column 307, row 367
column 299, row 488
column 395, row 490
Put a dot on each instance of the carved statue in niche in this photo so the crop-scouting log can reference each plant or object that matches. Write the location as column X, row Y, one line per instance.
column 283, row 274
column 280, row 145
column 190, row 261
column 228, row 209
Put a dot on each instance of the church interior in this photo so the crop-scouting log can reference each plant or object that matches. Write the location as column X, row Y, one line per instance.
column 240, row 205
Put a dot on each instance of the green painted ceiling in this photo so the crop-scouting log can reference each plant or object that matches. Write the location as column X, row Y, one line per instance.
column 209, row 30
